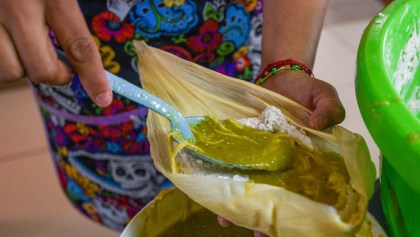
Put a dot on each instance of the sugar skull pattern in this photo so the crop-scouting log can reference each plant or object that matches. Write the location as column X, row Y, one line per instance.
column 101, row 155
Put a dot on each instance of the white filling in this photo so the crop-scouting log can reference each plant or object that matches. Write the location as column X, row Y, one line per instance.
column 407, row 66
column 273, row 120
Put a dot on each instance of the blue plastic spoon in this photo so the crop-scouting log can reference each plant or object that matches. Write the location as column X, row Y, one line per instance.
column 137, row 94
column 134, row 93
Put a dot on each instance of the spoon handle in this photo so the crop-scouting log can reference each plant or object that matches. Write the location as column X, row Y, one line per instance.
column 132, row 92
column 152, row 102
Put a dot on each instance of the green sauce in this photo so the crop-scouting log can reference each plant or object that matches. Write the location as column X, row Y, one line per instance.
column 173, row 214
column 232, row 143
column 319, row 176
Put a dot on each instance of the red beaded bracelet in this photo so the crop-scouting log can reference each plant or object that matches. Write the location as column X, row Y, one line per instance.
column 274, row 68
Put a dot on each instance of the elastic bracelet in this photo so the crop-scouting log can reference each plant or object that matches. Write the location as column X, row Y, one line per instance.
column 274, row 68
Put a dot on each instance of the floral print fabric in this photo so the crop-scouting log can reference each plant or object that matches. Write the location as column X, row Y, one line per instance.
column 102, row 154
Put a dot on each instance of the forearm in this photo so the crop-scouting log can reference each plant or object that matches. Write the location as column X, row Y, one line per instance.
column 291, row 30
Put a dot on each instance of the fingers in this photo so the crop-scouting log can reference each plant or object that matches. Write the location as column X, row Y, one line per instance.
column 10, row 67
column 259, row 234
column 222, row 221
column 329, row 110
column 225, row 223
column 68, row 24
column 27, row 49
column 36, row 53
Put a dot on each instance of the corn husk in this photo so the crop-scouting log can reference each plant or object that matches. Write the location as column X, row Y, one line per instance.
column 197, row 91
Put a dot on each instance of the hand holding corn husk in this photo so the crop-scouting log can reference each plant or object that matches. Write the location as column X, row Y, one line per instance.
column 313, row 93
column 272, row 210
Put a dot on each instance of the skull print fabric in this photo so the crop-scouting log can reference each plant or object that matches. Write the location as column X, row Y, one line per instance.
column 101, row 155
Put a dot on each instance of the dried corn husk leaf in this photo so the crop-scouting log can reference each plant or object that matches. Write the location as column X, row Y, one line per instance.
column 196, row 91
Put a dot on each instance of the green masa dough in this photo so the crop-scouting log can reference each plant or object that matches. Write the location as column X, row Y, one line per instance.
column 232, row 143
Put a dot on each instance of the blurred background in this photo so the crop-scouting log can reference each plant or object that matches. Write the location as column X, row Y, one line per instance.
column 31, row 200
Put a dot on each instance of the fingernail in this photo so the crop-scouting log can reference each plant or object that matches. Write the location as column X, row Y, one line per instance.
column 103, row 99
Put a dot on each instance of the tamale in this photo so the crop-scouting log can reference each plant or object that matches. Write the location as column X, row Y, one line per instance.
column 273, row 210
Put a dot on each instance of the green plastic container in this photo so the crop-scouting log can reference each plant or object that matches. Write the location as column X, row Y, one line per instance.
column 388, row 105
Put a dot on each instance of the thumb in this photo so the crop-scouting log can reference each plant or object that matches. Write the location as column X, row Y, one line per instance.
column 80, row 48
column 328, row 112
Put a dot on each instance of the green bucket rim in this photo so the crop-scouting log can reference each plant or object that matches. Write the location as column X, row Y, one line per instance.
column 380, row 104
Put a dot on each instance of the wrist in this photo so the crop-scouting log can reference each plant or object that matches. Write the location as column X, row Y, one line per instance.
column 284, row 65
column 284, row 80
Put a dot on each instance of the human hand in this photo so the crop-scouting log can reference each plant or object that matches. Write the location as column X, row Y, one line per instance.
column 27, row 50
column 315, row 94
column 225, row 223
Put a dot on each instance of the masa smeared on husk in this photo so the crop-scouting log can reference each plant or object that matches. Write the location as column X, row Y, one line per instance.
column 197, row 91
